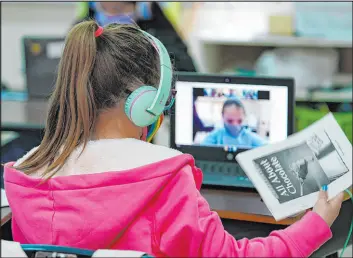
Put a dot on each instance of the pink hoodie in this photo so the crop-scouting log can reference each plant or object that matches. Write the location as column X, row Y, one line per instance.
column 131, row 195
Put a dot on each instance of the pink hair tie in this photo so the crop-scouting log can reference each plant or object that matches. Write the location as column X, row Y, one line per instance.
column 154, row 45
column 98, row 32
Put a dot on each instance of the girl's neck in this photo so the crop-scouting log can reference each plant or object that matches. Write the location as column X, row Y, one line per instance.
column 114, row 125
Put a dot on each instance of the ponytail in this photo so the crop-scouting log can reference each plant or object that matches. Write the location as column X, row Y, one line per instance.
column 72, row 110
column 95, row 70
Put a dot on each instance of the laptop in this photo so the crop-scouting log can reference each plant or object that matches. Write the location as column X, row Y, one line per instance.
column 41, row 60
column 198, row 126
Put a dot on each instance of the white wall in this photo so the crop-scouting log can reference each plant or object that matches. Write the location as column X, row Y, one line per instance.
column 231, row 19
column 30, row 19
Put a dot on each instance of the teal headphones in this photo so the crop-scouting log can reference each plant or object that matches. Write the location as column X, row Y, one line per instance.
column 146, row 104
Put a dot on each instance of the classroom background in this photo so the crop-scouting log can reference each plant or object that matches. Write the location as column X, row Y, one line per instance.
column 308, row 41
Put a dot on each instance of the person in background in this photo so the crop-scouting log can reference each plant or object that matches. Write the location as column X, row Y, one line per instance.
column 95, row 182
column 232, row 94
column 233, row 132
column 149, row 17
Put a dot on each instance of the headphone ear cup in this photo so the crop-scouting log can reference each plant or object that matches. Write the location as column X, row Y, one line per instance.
column 137, row 103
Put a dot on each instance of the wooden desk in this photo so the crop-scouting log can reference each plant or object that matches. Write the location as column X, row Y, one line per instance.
column 23, row 115
column 257, row 218
column 246, row 206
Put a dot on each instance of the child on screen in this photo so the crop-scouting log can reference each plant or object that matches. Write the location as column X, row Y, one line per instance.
column 95, row 182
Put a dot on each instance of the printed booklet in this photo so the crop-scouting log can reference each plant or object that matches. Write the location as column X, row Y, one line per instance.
column 288, row 175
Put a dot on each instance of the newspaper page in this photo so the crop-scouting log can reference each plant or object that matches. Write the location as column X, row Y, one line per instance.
column 288, row 175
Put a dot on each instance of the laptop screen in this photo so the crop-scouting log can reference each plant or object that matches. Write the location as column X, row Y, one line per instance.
column 217, row 117
column 235, row 115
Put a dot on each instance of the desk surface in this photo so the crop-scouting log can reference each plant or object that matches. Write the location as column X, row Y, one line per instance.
column 21, row 115
column 7, row 137
column 239, row 205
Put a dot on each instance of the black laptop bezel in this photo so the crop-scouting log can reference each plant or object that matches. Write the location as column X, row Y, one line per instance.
column 216, row 153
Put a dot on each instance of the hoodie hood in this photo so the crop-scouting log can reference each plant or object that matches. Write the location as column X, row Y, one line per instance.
column 95, row 197
column 109, row 155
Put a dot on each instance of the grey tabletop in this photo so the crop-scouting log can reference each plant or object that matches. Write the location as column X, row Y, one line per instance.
column 19, row 115
column 5, row 214
column 235, row 201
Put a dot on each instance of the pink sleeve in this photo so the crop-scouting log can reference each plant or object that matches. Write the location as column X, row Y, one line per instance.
column 190, row 229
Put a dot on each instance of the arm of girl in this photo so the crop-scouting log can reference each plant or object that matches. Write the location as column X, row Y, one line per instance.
column 191, row 229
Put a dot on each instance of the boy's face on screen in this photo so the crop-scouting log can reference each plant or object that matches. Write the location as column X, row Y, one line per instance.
column 233, row 115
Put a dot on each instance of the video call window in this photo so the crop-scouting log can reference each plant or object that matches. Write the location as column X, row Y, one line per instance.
column 231, row 117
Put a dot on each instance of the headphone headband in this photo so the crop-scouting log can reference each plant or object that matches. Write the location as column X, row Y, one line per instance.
column 166, row 73
column 145, row 105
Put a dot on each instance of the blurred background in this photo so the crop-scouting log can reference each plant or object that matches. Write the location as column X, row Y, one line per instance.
column 309, row 41
column 221, row 37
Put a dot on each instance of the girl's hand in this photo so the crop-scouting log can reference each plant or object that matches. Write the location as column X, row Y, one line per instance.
column 328, row 210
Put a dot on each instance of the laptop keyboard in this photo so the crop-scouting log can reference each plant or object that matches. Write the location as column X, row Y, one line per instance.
column 223, row 174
